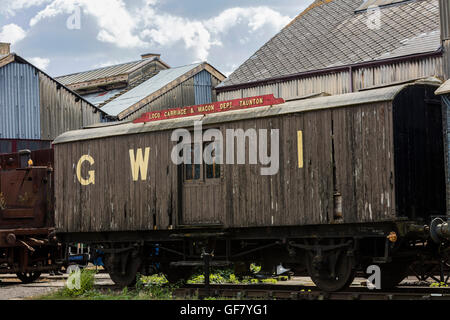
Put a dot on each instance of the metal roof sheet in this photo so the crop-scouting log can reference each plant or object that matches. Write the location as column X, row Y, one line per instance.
column 330, row 34
column 343, row 100
column 104, row 72
column 128, row 99
column 444, row 89
column 98, row 98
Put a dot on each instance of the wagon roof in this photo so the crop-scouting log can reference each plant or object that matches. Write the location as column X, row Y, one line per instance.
column 295, row 106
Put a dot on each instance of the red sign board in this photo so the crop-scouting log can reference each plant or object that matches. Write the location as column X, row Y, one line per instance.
column 216, row 107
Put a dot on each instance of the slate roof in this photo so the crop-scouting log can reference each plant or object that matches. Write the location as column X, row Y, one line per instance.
column 331, row 34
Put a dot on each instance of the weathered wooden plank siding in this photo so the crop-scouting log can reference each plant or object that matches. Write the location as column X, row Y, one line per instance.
column 445, row 19
column 362, row 138
column 340, row 82
column 446, row 59
column 182, row 95
column 61, row 110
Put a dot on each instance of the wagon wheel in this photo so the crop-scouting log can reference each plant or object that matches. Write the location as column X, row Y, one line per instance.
column 28, row 277
column 114, row 268
column 393, row 273
column 334, row 273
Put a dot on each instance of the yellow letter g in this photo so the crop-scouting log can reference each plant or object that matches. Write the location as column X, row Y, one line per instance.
column 91, row 179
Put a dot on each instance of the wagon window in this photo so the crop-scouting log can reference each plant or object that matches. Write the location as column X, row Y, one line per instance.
column 212, row 170
column 192, row 171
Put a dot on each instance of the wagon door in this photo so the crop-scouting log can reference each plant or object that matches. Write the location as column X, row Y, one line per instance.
column 201, row 193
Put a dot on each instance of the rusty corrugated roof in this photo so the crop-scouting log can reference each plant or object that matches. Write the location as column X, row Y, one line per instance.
column 105, row 72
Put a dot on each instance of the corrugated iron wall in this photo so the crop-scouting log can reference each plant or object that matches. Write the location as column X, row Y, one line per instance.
column 446, row 63
column 339, row 82
column 445, row 19
column 19, row 102
column 62, row 111
column 203, row 88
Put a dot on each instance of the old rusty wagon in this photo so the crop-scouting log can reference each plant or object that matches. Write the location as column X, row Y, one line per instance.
column 361, row 176
column 28, row 243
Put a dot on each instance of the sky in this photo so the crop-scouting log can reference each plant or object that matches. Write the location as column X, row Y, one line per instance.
column 68, row 36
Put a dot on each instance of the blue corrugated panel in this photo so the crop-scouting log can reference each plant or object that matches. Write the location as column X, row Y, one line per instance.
column 203, row 88
column 19, row 102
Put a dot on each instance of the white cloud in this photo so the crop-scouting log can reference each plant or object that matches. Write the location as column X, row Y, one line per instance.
column 9, row 7
column 41, row 63
column 200, row 36
column 115, row 22
column 12, row 33
column 255, row 18
column 167, row 30
column 147, row 26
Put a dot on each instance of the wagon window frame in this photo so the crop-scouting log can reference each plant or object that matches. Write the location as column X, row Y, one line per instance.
column 202, row 178
column 216, row 167
column 193, row 167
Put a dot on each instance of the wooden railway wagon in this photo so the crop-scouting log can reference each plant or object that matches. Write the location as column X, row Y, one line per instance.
column 28, row 244
column 360, row 177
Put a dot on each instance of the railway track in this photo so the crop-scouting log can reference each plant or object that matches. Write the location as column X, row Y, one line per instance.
column 293, row 292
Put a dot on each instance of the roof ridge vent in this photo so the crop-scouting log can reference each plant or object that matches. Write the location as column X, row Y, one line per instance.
column 368, row 4
column 150, row 55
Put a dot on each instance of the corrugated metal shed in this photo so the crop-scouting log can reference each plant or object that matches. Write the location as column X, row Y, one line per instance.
column 445, row 19
column 162, row 79
column 203, row 88
column 35, row 107
column 19, row 102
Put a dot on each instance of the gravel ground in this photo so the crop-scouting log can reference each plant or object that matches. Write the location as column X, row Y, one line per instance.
column 12, row 289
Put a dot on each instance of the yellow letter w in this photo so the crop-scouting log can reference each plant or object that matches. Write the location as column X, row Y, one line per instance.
column 139, row 164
